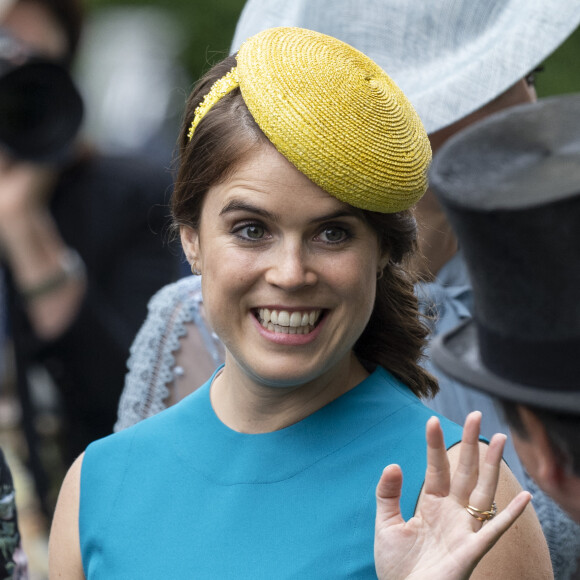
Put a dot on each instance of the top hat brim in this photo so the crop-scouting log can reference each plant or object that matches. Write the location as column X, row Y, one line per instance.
column 457, row 353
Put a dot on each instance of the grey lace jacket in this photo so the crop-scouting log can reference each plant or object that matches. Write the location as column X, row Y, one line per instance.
column 152, row 362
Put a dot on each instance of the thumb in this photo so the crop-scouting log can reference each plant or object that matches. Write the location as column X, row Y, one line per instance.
column 389, row 497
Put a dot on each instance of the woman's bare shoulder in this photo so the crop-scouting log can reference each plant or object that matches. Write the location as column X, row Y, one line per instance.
column 64, row 551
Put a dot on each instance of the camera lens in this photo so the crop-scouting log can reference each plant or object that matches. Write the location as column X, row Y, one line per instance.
column 40, row 111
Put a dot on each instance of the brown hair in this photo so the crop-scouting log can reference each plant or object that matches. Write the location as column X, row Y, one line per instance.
column 395, row 336
column 227, row 134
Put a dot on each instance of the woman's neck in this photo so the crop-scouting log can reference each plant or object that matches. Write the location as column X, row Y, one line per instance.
column 248, row 406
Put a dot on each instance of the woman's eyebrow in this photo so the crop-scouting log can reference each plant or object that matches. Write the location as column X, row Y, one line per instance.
column 239, row 205
column 341, row 213
column 242, row 205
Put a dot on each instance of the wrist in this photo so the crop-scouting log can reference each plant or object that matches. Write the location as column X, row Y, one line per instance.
column 71, row 268
column 18, row 229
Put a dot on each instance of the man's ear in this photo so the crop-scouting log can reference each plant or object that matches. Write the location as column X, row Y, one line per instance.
column 549, row 473
column 190, row 243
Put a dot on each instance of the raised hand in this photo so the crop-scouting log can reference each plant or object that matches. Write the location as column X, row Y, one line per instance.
column 443, row 540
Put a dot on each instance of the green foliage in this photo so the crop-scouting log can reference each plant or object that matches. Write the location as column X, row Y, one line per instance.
column 562, row 69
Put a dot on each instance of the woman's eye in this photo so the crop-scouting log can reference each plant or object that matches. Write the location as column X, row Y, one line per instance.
column 252, row 232
column 334, row 235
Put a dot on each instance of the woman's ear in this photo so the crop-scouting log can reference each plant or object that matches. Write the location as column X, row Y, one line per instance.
column 383, row 261
column 190, row 243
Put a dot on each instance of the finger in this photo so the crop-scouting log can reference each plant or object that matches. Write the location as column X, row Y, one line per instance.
column 389, row 497
column 483, row 495
column 467, row 471
column 495, row 528
column 437, row 476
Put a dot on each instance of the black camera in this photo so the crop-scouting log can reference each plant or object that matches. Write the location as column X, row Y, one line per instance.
column 40, row 108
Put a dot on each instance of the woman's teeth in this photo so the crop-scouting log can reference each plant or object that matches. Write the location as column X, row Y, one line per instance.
column 288, row 322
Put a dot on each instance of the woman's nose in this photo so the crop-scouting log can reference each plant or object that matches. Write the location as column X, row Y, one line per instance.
column 291, row 268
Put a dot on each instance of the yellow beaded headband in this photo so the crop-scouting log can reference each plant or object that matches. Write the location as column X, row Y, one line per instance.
column 220, row 88
column 334, row 114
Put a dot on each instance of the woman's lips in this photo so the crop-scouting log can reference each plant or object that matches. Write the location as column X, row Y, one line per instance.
column 289, row 327
column 289, row 322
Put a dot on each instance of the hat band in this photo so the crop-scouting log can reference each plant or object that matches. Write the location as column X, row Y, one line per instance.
column 542, row 364
column 219, row 89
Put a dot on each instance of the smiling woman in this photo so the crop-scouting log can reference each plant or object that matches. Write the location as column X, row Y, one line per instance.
column 229, row 152
column 272, row 240
column 299, row 165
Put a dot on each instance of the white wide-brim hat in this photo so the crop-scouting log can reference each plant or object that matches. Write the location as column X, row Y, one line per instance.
column 450, row 57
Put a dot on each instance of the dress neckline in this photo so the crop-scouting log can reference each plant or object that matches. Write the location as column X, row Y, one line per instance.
column 238, row 458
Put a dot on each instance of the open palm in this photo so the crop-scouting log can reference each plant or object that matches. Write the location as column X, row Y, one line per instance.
column 442, row 540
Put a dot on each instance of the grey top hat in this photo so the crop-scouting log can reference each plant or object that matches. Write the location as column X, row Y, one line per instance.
column 450, row 57
column 510, row 186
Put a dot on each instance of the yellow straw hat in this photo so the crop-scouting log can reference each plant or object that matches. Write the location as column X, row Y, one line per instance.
column 334, row 114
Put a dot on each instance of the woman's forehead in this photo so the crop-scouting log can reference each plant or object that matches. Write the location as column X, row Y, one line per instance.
column 266, row 178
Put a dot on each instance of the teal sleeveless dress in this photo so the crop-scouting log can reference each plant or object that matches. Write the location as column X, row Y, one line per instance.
column 182, row 496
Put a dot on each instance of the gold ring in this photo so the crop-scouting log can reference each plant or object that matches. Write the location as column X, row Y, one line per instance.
column 482, row 515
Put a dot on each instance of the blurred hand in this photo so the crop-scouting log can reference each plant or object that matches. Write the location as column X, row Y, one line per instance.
column 442, row 540
column 24, row 188
column 33, row 249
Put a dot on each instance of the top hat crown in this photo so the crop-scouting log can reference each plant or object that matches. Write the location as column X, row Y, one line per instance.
column 510, row 186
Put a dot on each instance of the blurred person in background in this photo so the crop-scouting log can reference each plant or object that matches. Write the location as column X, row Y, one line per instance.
column 82, row 252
